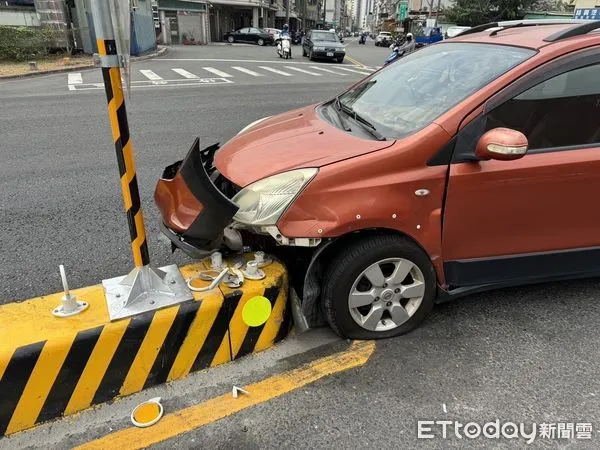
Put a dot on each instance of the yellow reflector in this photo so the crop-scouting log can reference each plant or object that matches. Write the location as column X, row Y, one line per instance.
column 147, row 413
column 256, row 311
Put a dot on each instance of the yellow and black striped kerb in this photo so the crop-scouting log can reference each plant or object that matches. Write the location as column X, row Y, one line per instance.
column 51, row 367
column 120, row 131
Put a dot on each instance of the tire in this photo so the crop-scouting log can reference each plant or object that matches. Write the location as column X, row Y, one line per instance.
column 340, row 60
column 345, row 274
column 260, row 42
column 376, row 44
column 231, row 39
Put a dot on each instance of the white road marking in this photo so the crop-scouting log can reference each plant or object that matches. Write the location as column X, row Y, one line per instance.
column 217, row 72
column 355, row 71
column 150, row 75
column 303, row 71
column 280, row 72
column 75, row 78
column 327, row 70
column 184, row 73
column 248, row 71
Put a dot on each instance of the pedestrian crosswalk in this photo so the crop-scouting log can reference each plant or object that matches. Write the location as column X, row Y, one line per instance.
column 179, row 76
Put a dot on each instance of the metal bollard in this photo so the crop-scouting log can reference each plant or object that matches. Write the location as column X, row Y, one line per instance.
column 70, row 305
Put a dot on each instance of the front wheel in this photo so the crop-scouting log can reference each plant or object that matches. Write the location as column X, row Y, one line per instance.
column 231, row 39
column 378, row 287
column 340, row 60
column 261, row 42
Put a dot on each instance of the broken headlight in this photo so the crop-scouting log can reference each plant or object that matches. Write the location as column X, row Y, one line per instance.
column 263, row 202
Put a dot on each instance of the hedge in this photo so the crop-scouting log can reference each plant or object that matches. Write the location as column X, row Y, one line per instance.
column 20, row 43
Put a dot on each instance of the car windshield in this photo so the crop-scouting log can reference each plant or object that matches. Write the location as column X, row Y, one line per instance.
column 324, row 36
column 411, row 93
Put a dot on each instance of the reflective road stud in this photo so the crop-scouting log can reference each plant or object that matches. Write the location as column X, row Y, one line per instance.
column 144, row 289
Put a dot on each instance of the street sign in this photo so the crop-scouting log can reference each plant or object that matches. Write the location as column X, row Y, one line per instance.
column 587, row 13
column 403, row 11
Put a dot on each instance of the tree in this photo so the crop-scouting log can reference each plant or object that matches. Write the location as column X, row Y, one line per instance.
column 477, row 12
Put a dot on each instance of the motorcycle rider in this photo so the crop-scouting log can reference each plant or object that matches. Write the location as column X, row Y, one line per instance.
column 285, row 31
column 409, row 44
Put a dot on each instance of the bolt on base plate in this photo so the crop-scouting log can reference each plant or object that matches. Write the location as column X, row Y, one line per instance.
column 145, row 289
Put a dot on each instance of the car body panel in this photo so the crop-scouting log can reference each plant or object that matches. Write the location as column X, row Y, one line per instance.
column 249, row 35
column 460, row 212
column 287, row 142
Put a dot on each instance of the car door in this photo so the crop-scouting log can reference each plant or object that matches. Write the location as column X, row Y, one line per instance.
column 538, row 216
column 241, row 35
column 308, row 42
column 253, row 35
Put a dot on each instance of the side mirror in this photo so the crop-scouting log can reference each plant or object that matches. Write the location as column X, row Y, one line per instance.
column 503, row 144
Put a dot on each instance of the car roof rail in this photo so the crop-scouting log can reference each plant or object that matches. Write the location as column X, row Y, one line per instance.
column 523, row 23
column 577, row 30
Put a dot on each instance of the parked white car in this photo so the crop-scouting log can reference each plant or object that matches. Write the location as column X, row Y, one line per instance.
column 383, row 36
column 274, row 32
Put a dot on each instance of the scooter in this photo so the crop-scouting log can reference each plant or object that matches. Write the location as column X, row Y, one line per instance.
column 284, row 47
column 394, row 56
column 362, row 39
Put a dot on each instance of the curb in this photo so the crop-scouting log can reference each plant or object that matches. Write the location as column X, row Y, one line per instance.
column 52, row 367
column 161, row 52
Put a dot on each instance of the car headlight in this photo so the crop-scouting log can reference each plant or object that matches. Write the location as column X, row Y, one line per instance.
column 340, row 49
column 319, row 49
column 263, row 202
column 256, row 122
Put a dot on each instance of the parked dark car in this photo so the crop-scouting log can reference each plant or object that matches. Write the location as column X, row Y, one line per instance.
column 323, row 44
column 249, row 35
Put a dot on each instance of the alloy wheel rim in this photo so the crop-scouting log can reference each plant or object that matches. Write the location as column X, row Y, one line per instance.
column 386, row 294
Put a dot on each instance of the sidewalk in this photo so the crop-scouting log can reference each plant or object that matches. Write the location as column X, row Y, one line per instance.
column 56, row 65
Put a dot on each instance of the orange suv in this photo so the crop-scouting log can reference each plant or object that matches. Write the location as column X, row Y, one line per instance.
column 467, row 165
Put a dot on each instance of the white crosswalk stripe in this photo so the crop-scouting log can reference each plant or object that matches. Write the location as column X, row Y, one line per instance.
column 323, row 69
column 150, row 75
column 248, row 71
column 75, row 78
column 355, row 71
column 279, row 72
column 297, row 69
column 218, row 72
column 184, row 73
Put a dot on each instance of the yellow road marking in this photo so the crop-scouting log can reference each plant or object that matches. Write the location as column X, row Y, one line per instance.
column 354, row 61
column 187, row 419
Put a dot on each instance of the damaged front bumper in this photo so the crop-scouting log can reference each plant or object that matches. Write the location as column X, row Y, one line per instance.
column 195, row 213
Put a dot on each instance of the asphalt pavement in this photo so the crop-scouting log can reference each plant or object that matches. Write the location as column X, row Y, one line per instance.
column 526, row 354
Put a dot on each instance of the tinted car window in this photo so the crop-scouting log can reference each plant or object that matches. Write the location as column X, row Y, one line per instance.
column 244, row 30
column 324, row 36
column 412, row 92
column 560, row 112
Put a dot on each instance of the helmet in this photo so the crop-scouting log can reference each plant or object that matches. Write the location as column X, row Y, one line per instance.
column 409, row 36
column 285, row 27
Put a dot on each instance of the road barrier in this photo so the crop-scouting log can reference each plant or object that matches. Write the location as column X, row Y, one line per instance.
column 50, row 367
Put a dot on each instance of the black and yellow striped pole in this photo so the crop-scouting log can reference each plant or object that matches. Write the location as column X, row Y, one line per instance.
column 143, row 289
column 111, row 72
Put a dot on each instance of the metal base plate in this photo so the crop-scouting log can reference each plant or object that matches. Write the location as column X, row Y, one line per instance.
column 145, row 289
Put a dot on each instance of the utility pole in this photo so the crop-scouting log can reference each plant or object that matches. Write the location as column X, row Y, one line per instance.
column 287, row 12
column 437, row 13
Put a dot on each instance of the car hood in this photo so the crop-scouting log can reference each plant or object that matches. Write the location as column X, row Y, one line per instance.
column 293, row 140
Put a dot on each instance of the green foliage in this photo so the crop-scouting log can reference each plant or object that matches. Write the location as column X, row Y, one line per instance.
column 21, row 43
column 477, row 12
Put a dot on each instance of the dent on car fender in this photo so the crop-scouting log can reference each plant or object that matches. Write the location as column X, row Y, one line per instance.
column 189, row 203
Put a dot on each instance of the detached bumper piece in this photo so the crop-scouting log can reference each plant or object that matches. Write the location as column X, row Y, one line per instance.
column 194, row 212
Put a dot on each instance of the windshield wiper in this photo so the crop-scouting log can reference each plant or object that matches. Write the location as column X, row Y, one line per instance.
column 339, row 108
column 367, row 126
